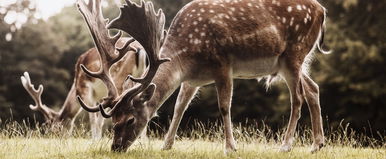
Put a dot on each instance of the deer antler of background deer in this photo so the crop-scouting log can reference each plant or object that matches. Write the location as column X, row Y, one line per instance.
column 36, row 96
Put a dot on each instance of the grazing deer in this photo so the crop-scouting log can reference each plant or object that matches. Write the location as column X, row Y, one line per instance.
column 210, row 41
column 89, row 88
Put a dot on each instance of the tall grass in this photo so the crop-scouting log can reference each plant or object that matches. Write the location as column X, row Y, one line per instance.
column 202, row 140
column 211, row 131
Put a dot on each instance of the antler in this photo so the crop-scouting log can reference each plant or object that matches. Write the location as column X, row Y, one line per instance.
column 36, row 96
column 92, row 14
column 149, row 32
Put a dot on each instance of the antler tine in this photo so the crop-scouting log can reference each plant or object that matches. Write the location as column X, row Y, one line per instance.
column 35, row 94
column 85, row 106
column 132, row 92
column 150, row 38
column 123, row 50
column 105, row 44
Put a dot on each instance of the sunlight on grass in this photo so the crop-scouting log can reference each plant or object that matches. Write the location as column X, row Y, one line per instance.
column 18, row 141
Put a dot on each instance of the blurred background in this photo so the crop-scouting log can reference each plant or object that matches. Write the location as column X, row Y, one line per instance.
column 45, row 38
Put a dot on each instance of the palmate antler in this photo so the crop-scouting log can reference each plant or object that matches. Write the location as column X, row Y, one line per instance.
column 149, row 32
column 36, row 96
column 109, row 54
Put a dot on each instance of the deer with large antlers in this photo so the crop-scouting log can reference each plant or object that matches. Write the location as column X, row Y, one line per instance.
column 90, row 88
column 213, row 41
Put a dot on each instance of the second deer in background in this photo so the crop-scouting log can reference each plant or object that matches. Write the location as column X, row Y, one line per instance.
column 91, row 89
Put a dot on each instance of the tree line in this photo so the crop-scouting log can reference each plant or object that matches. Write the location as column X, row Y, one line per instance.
column 351, row 79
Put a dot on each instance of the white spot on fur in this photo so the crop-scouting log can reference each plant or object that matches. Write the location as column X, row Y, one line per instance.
column 190, row 35
column 197, row 41
column 202, row 10
column 298, row 7
column 211, row 11
column 195, row 23
column 289, row 9
column 249, row 4
column 202, row 34
column 297, row 27
column 292, row 21
column 284, row 20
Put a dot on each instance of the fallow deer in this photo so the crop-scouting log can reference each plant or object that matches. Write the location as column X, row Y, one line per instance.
column 213, row 41
column 89, row 88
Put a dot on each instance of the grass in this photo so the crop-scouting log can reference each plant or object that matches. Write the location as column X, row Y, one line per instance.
column 20, row 141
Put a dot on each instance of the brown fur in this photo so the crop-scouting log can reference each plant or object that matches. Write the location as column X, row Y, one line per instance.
column 215, row 41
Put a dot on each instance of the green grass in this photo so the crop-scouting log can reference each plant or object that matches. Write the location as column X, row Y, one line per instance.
column 18, row 141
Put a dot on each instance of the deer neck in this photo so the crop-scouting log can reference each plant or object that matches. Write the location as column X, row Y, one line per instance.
column 167, row 79
column 70, row 107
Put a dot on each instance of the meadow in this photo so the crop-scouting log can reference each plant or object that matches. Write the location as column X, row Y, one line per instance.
column 21, row 141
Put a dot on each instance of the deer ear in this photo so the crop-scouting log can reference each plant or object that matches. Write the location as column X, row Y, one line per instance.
column 148, row 93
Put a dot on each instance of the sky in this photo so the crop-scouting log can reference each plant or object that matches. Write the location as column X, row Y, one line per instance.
column 46, row 8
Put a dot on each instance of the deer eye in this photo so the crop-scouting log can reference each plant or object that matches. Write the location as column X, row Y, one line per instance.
column 130, row 121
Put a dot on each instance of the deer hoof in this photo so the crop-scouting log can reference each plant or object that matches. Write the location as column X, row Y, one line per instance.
column 316, row 147
column 166, row 147
column 229, row 149
column 285, row 148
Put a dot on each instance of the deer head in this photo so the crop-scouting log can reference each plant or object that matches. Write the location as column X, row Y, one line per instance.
column 50, row 115
column 128, row 121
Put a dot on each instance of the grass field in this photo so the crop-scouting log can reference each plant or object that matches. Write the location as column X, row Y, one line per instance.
column 19, row 142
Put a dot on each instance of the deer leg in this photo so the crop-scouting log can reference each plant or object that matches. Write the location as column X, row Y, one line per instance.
column 72, row 122
column 224, row 86
column 96, row 124
column 311, row 96
column 99, row 125
column 185, row 96
column 144, row 134
column 292, row 78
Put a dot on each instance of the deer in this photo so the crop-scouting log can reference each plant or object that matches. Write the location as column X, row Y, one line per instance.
column 210, row 41
column 93, row 90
